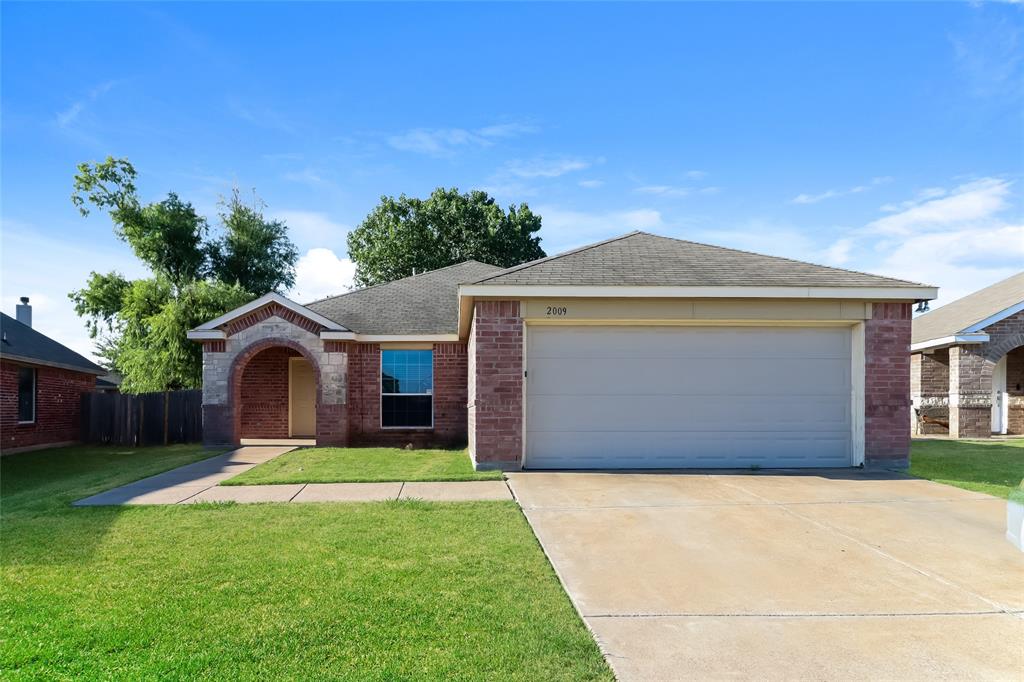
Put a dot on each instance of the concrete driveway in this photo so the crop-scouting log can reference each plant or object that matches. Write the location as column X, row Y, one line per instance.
column 837, row 575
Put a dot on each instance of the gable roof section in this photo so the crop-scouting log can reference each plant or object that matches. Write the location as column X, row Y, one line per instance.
column 22, row 343
column 640, row 259
column 972, row 313
column 211, row 329
column 425, row 304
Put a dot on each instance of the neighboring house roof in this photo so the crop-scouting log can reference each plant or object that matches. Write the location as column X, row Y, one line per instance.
column 421, row 304
column 22, row 343
column 972, row 313
column 643, row 259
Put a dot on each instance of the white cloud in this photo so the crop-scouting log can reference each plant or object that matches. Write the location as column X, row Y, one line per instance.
column 838, row 252
column 590, row 184
column 696, row 174
column 312, row 228
column 665, row 190
column 542, row 167
column 68, row 117
column 46, row 269
column 973, row 201
column 832, row 193
column 320, row 273
column 446, row 141
column 306, row 176
column 958, row 240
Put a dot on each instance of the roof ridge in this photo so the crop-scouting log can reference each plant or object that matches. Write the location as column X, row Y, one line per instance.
column 394, row 281
column 51, row 340
column 528, row 264
column 785, row 258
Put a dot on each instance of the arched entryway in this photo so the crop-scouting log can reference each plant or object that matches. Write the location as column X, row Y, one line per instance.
column 275, row 392
column 1007, row 386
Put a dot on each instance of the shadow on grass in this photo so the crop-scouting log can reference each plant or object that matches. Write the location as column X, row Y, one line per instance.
column 37, row 488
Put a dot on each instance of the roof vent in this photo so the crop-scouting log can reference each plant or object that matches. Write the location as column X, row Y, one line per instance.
column 23, row 312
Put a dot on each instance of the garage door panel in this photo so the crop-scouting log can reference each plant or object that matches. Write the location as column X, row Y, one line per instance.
column 698, row 342
column 707, row 397
column 687, row 375
column 687, row 414
column 666, row 450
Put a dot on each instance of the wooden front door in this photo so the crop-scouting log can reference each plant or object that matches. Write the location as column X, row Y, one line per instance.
column 301, row 398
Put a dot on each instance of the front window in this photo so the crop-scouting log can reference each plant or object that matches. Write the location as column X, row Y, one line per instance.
column 26, row 395
column 407, row 388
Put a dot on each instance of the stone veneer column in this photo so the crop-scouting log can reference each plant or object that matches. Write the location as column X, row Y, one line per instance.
column 887, row 386
column 495, row 404
column 929, row 390
column 970, row 393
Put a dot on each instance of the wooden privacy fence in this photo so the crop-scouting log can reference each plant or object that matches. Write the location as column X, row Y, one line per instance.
column 142, row 419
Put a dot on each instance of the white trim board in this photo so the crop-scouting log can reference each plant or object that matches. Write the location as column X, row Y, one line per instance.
column 955, row 340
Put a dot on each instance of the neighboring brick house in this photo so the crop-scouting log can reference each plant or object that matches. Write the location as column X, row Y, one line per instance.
column 967, row 367
column 41, row 384
column 636, row 352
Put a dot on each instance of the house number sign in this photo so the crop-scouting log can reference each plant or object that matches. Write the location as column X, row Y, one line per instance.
column 557, row 311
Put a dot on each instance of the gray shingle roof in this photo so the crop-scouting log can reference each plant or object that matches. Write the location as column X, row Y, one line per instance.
column 642, row 259
column 422, row 304
column 963, row 313
column 21, row 342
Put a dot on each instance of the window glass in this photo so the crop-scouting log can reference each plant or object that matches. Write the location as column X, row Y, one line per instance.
column 26, row 394
column 407, row 371
column 407, row 387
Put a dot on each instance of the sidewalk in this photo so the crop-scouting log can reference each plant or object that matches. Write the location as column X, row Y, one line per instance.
column 197, row 482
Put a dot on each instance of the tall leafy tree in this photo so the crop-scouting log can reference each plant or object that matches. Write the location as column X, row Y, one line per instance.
column 141, row 325
column 406, row 235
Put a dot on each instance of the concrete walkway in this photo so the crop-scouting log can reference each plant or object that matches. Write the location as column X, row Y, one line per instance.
column 829, row 576
column 198, row 482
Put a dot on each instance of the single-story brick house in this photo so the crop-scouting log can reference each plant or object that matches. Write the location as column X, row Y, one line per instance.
column 967, row 367
column 41, row 384
column 636, row 352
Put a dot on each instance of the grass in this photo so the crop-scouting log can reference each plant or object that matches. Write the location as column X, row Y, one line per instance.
column 987, row 466
column 343, row 465
column 373, row 591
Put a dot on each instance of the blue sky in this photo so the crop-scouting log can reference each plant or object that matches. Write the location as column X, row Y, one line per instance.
column 878, row 137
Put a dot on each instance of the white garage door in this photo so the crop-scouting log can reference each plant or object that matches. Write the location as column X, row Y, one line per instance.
column 707, row 397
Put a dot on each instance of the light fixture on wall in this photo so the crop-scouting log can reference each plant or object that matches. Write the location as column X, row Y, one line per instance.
column 922, row 306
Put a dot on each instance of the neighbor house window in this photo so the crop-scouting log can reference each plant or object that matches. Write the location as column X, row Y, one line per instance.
column 406, row 388
column 26, row 395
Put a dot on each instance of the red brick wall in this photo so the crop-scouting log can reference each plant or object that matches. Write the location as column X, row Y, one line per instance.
column 58, row 407
column 496, row 410
column 264, row 394
column 887, row 385
column 450, row 386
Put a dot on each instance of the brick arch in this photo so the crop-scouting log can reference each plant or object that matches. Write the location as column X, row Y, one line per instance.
column 998, row 349
column 242, row 360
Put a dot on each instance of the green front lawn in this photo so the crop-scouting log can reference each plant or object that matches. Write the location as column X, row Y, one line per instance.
column 342, row 465
column 397, row 590
column 988, row 466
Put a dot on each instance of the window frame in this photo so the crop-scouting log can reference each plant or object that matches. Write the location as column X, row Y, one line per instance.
column 381, row 393
column 35, row 390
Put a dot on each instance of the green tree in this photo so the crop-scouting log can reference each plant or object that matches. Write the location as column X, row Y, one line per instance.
column 252, row 248
column 141, row 325
column 405, row 235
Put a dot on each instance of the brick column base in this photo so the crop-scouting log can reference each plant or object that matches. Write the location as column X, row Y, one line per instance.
column 972, row 420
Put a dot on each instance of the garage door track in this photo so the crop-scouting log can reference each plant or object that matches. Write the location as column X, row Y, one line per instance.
column 830, row 575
